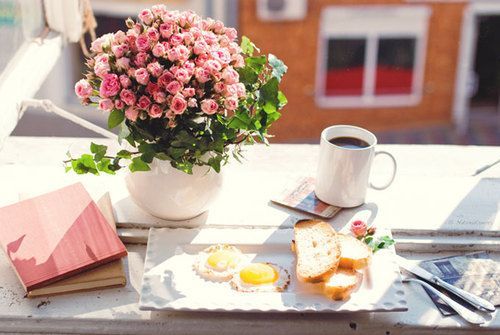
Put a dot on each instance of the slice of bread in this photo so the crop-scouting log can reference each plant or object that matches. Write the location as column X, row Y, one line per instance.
column 317, row 250
column 341, row 284
column 355, row 254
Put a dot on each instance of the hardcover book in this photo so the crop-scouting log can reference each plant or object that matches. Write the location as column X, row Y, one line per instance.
column 108, row 275
column 57, row 235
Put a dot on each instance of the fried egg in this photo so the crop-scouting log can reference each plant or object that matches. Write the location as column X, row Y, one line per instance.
column 261, row 277
column 219, row 262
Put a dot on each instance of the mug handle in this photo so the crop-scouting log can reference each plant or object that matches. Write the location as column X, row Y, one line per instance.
column 395, row 167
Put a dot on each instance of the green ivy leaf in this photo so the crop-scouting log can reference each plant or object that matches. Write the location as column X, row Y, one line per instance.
column 124, row 154
column 247, row 46
column 256, row 63
column 248, row 76
column 115, row 118
column 162, row 156
column 282, row 99
column 215, row 162
column 269, row 95
column 186, row 167
column 279, row 68
column 123, row 133
column 240, row 120
column 138, row 165
column 98, row 150
column 104, row 166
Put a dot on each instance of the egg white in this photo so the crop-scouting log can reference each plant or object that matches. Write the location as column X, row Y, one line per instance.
column 278, row 286
column 206, row 271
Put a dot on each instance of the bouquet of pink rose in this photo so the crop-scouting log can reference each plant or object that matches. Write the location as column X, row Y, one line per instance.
column 180, row 89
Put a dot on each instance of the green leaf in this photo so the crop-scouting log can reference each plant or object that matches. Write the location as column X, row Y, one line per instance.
column 104, row 166
column 67, row 169
column 247, row 46
column 98, row 150
column 123, row 133
column 279, row 68
column 115, row 118
column 256, row 63
column 138, row 165
column 176, row 153
column 240, row 120
column 282, row 99
column 269, row 92
column 215, row 163
column 124, row 154
column 186, row 167
column 162, row 156
column 248, row 76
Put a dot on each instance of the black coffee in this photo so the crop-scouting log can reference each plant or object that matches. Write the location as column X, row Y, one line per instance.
column 349, row 142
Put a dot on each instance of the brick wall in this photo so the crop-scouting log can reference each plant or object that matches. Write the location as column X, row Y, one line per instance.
column 296, row 43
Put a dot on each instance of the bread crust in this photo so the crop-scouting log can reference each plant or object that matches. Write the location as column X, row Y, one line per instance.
column 315, row 242
column 339, row 290
column 348, row 261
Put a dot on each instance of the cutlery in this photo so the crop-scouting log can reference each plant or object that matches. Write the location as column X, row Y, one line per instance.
column 474, row 300
column 464, row 312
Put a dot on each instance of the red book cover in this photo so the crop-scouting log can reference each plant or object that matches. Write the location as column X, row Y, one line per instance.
column 56, row 235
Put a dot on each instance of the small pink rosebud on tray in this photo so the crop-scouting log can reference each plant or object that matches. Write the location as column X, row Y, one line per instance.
column 358, row 228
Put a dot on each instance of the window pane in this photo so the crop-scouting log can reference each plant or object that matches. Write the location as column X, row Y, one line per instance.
column 395, row 65
column 345, row 66
column 20, row 21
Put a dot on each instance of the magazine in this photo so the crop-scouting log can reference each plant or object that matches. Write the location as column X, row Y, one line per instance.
column 476, row 273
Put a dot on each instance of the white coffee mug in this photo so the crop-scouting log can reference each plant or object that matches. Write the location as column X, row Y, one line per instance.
column 343, row 172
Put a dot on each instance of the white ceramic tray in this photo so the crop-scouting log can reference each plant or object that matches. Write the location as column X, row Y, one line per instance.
column 170, row 283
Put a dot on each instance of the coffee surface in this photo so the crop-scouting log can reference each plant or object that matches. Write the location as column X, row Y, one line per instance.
column 349, row 142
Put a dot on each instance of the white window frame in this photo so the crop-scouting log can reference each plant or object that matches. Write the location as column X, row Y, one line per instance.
column 33, row 61
column 295, row 10
column 372, row 23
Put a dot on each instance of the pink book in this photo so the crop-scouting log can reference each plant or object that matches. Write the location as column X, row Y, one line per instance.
column 56, row 235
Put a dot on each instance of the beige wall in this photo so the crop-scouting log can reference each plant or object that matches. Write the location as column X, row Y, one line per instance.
column 296, row 43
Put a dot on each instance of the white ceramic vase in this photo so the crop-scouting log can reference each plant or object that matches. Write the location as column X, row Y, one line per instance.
column 170, row 194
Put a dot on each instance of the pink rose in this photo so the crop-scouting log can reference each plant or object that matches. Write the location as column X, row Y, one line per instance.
column 120, row 37
column 238, row 60
column 182, row 75
column 212, row 66
column 219, row 87
column 358, row 228
column 142, row 43
column 106, row 105
column 152, row 88
column 159, row 97
column 231, row 103
column 201, row 59
column 192, row 103
column 119, row 104
column 140, row 59
column 222, row 56
column 240, row 90
column 169, row 114
column 110, row 86
column 101, row 66
column 174, row 87
column 143, row 102
column 159, row 50
column 172, row 124
column 176, row 39
column 131, row 113
column 188, row 38
column 155, row 69
column 125, row 81
column 188, row 92
column 183, row 53
column 128, row 97
column 218, row 27
column 173, row 54
column 142, row 76
column 210, row 37
column 224, row 41
column 202, row 75
column 165, row 79
column 166, row 29
column 209, row 106
column 231, row 33
column 83, row 89
column 230, row 76
column 234, row 48
column 119, row 50
column 153, row 34
column 158, row 10
column 146, row 16
column 179, row 104
column 155, row 111
column 123, row 63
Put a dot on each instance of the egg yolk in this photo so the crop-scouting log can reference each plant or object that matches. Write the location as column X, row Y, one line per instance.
column 258, row 274
column 222, row 259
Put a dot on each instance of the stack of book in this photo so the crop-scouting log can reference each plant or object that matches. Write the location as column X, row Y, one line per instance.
column 63, row 241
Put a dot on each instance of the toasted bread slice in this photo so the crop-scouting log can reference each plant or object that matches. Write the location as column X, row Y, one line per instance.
column 341, row 284
column 317, row 250
column 355, row 254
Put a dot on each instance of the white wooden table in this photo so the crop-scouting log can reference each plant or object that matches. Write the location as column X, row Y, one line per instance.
column 435, row 208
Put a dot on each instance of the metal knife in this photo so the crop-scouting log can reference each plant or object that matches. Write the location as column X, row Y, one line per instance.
column 474, row 300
